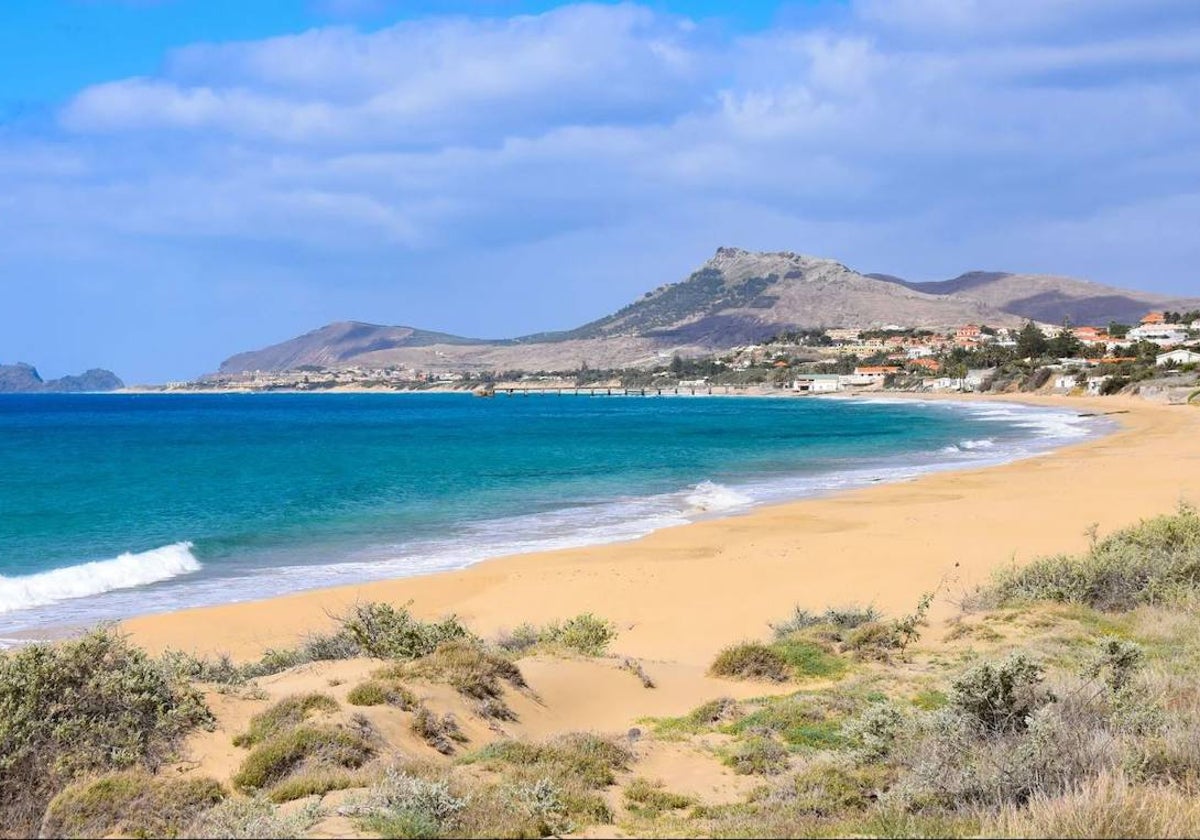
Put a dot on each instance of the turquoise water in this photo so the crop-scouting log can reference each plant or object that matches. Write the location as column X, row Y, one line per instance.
column 118, row 504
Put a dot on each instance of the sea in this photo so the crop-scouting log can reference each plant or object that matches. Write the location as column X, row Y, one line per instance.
column 114, row 505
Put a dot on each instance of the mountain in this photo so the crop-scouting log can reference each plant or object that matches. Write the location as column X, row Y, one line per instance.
column 339, row 344
column 24, row 379
column 736, row 298
column 1049, row 298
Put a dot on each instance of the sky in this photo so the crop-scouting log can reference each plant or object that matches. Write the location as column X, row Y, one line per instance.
column 181, row 180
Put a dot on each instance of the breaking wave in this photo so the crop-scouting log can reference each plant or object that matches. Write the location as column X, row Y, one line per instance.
column 122, row 572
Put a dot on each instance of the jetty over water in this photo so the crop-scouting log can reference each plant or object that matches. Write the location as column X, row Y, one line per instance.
column 599, row 390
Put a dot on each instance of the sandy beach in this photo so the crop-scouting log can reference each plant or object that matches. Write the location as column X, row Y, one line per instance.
column 680, row 594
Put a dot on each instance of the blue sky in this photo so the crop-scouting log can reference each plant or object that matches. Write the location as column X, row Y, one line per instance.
column 184, row 179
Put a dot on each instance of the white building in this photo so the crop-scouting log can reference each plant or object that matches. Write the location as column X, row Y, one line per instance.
column 1066, row 381
column 919, row 352
column 1160, row 334
column 817, row 383
column 1182, row 356
column 946, row 383
column 1095, row 384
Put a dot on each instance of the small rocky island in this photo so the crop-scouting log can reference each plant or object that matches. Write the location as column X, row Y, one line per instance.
column 22, row 378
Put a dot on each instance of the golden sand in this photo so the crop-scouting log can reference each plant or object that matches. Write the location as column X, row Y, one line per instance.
column 680, row 594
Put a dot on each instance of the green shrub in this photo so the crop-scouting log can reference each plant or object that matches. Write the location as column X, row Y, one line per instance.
column 585, row 633
column 402, row 805
column 1156, row 561
column 1001, row 697
column 465, row 665
column 591, row 760
column 758, row 755
column 89, row 705
column 799, row 720
column 369, row 693
column 751, row 661
column 809, row 659
column 131, row 803
column 385, row 632
column 252, row 819
column 186, row 666
column 315, row 746
column 873, row 734
column 376, row 692
column 313, row 783
column 288, row 713
column 843, row 619
column 833, row 788
column 544, row 804
column 648, row 799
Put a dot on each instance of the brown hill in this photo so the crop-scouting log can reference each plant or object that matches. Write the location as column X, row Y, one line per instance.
column 1050, row 298
column 737, row 297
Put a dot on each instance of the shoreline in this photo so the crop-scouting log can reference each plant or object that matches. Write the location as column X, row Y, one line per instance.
column 1049, row 428
column 948, row 526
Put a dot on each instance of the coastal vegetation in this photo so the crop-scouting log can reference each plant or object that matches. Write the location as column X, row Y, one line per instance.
column 88, row 706
column 1060, row 701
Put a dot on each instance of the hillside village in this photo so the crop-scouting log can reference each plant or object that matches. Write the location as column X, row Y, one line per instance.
column 1096, row 360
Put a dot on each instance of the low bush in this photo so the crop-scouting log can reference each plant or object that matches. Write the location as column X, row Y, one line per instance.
column 131, row 803
column 466, row 666
column 313, row 783
column 1003, row 696
column 305, row 746
column 833, row 788
column 751, row 661
column 585, row 634
column 377, row 692
column 287, row 714
column 846, row 618
column 591, row 760
column 441, row 733
column 386, row 632
column 759, row 754
column 252, row 819
column 874, row 733
column 801, row 721
column 403, row 805
column 1156, row 561
column 646, row 798
column 808, row 658
column 90, row 705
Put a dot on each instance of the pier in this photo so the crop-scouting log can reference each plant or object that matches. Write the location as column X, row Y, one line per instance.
column 601, row 390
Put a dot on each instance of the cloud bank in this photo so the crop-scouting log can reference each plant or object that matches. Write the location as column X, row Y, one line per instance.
column 493, row 176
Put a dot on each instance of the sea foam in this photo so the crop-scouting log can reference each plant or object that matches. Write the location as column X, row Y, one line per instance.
column 122, row 572
column 709, row 496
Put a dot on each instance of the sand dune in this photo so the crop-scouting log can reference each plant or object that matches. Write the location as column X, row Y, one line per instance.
column 681, row 594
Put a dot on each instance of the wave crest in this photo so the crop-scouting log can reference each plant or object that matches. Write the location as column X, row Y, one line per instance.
column 123, row 572
column 710, row 496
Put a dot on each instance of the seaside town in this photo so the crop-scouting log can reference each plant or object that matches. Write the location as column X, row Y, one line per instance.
column 1094, row 360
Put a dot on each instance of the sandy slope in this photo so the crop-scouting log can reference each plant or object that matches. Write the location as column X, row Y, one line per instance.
column 680, row 594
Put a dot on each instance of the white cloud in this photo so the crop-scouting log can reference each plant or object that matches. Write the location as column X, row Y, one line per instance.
column 907, row 137
column 414, row 82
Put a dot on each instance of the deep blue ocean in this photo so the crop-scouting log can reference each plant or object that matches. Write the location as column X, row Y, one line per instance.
column 112, row 505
